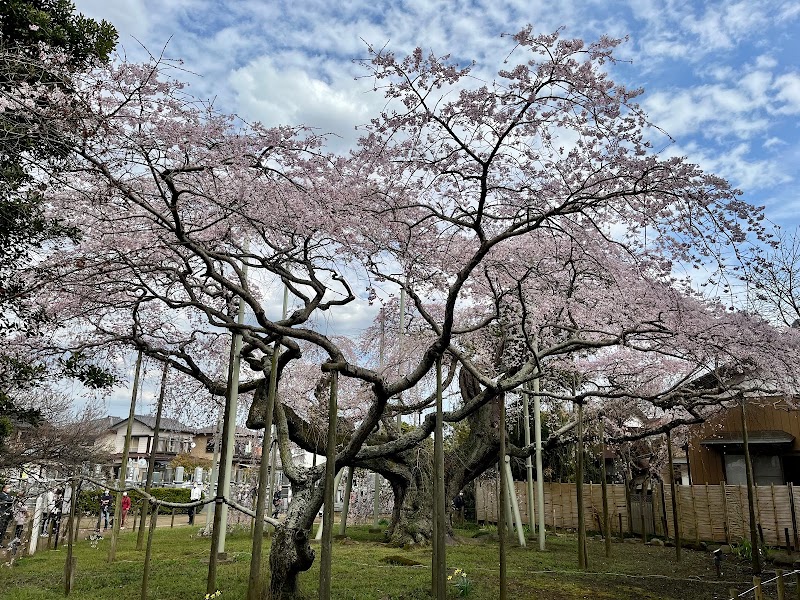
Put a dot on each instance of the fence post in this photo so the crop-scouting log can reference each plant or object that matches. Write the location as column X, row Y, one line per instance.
column 758, row 592
column 781, row 585
column 725, row 513
column 797, row 585
column 694, row 516
column 172, row 521
column 621, row 535
column 794, row 515
column 734, row 595
column 775, row 515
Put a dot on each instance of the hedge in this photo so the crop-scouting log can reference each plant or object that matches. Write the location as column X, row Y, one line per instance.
column 89, row 500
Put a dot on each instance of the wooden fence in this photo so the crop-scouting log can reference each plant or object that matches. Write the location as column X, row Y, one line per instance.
column 711, row 513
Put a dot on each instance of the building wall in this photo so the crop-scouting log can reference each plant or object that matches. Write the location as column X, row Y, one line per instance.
column 706, row 462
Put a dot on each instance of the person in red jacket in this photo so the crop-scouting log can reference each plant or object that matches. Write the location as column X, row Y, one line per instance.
column 126, row 506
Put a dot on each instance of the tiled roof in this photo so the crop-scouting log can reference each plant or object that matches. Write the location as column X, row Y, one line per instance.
column 149, row 421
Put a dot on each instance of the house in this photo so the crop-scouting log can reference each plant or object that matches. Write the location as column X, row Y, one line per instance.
column 246, row 454
column 173, row 438
column 716, row 450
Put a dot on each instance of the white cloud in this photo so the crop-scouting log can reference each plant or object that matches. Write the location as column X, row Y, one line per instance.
column 788, row 92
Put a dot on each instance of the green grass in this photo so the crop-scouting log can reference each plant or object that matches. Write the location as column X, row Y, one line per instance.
column 180, row 566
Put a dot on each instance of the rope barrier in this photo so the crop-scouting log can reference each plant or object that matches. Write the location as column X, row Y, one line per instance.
column 763, row 583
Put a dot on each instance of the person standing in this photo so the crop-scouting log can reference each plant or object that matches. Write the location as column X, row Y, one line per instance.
column 195, row 495
column 126, row 506
column 105, row 507
column 276, row 503
column 20, row 516
column 47, row 512
column 6, row 501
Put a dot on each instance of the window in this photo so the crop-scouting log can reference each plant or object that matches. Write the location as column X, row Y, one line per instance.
column 767, row 469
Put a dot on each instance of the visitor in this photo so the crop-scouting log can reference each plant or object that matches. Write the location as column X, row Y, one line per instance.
column 276, row 504
column 195, row 495
column 47, row 512
column 126, row 506
column 20, row 516
column 105, row 507
column 5, row 510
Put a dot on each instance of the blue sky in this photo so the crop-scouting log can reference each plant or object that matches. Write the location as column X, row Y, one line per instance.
column 722, row 78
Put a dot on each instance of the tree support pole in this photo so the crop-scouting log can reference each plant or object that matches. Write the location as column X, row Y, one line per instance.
column 440, row 566
column 348, row 489
column 376, row 494
column 537, row 417
column 69, row 566
column 148, row 549
column 211, row 509
column 254, row 580
column 151, row 460
column 529, row 465
column 579, row 491
column 604, row 488
column 676, row 525
column 512, row 494
column 220, row 516
column 750, row 491
column 336, row 481
column 326, row 546
column 501, row 519
column 123, row 468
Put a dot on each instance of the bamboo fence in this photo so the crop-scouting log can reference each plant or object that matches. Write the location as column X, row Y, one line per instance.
column 710, row 513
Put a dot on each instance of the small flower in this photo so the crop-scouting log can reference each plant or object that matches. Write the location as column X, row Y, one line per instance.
column 33, row 27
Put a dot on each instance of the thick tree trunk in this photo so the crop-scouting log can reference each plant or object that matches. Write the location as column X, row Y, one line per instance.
column 290, row 553
column 412, row 517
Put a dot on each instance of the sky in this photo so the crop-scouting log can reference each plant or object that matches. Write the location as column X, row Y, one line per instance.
column 722, row 78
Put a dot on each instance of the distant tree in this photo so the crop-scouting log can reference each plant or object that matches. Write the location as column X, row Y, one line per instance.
column 189, row 462
column 774, row 280
column 30, row 29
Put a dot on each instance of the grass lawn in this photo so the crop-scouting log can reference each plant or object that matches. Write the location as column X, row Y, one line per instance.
column 180, row 565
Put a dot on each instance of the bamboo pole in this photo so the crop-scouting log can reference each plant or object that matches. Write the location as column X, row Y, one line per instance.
column 780, row 584
column 123, row 467
column 326, row 546
column 151, row 460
